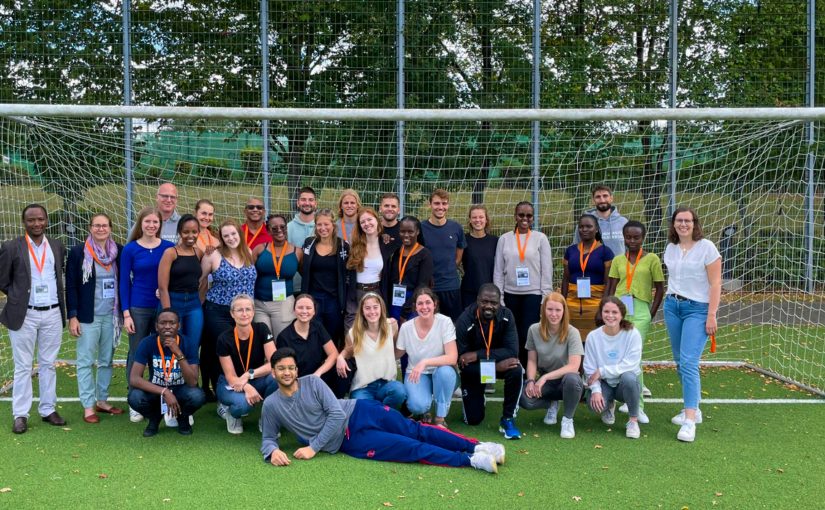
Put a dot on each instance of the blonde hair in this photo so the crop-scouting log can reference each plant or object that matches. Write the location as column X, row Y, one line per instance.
column 359, row 327
column 243, row 248
column 358, row 246
column 564, row 325
column 348, row 192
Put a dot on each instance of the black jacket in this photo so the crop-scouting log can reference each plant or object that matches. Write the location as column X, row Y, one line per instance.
column 80, row 297
column 505, row 337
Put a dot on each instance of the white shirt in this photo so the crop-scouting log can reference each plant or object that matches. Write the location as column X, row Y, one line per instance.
column 612, row 356
column 431, row 346
column 372, row 271
column 48, row 278
column 687, row 273
column 374, row 362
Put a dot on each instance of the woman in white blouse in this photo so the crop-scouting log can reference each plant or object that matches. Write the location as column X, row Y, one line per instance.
column 694, row 287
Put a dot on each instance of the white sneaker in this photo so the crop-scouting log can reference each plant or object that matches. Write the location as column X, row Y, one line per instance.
column 171, row 421
column 191, row 420
column 552, row 416
column 609, row 414
column 643, row 419
column 646, row 392
column 679, row 419
column 484, row 462
column 567, row 430
column 687, row 432
column 234, row 425
column 494, row 449
column 134, row 416
column 223, row 410
column 632, row 430
column 623, row 408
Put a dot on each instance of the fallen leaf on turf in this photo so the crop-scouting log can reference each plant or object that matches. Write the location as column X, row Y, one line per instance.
column 598, row 446
column 577, row 498
column 520, row 494
column 718, row 494
column 103, row 475
column 524, row 452
column 167, row 500
column 66, row 429
column 5, row 489
column 535, row 435
column 420, row 477
column 75, row 456
column 685, row 508
column 387, row 503
column 780, row 471
column 605, row 467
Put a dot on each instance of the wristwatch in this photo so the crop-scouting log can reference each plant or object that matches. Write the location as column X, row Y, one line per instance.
column 251, row 374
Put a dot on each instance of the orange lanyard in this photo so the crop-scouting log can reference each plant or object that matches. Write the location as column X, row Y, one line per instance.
column 248, row 349
column 42, row 262
column 488, row 340
column 631, row 272
column 277, row 261
column 107, row 267
column 583, row 261
column 403, row 268
column 518, row 244
column 255, row 236
column 167, row 366
column 343, row 230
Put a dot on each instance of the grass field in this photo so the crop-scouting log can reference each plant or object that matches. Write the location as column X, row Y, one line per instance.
column 745, row 456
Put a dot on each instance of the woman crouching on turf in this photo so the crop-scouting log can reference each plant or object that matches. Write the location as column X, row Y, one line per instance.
column 554, row 351
column 612, row 364
column 371, row 341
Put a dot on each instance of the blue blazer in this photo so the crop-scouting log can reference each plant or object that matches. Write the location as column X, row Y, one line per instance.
column 80, row 297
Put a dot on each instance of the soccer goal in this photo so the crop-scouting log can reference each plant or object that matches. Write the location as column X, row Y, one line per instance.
column 754, row 176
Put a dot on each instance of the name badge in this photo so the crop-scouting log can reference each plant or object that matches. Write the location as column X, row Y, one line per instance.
column 278, row 290
column 109, row 288
column 488, row 372
column 627, row 299
column 399, row 295
column 583, row 287
column 164, row 409
column 41, row 295
column 522, row 276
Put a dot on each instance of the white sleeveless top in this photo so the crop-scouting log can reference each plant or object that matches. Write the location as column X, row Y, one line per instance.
column 373, row 362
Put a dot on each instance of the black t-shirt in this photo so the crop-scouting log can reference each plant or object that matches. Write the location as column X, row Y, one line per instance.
column 310, row 351
column 324, row 270
column 478, row 260
column 395, row 239
column 226, row 347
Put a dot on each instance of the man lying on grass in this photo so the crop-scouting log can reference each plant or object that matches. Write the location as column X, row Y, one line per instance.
column 365, row 429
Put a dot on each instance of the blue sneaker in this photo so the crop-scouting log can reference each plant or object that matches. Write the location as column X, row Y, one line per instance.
column 509, row 429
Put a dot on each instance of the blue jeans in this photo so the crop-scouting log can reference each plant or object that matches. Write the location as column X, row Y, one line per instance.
column 685, row 321
column 190, row 398
column 238, row 406
column 188, row 306
column 95, row 342
column 389, row 393
column 144, row 320
column 439, row 385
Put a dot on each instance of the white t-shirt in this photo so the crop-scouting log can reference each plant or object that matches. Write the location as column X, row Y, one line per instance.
column 372, row 270
column 687, row 274
column 374, row 362
column 431, row 346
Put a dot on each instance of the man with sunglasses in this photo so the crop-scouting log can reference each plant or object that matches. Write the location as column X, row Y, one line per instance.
column 254, row 228
column 167, row 202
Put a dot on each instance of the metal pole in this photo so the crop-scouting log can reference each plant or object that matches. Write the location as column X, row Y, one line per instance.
column 536, row 135
column 127, row 121
column 674, row 68
column 809, row 164
column 265, row 102
column 399, row 87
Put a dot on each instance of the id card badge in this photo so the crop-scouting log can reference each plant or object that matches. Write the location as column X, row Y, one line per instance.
column 522, row 276
column 488, row 372
column 399, row 295
column 41, row 295
column 164, row 409
column 627, row 299
column 278, row 290
column 109, row 288
column 583, row 287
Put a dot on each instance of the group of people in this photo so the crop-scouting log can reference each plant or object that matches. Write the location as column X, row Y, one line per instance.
column 230, row 314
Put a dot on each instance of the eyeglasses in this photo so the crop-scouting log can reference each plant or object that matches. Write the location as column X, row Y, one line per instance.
column 254, row 208
column 168, row 197
column 100, row 226
column 243, row 310
column 290, row 368
column 683, row 222
column 525, row 215
column 277, row 227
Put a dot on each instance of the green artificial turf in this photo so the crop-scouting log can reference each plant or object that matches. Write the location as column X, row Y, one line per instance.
column 745, row 456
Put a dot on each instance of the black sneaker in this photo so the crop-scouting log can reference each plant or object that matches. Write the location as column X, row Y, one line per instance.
column 184, row 427
column 151, row 428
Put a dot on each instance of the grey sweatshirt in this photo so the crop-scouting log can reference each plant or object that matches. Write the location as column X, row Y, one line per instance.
column 611, row 229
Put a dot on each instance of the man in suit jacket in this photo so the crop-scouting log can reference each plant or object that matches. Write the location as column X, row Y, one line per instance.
column 31, row 277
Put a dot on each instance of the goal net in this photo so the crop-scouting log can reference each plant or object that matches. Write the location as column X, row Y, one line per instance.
column 751, row 181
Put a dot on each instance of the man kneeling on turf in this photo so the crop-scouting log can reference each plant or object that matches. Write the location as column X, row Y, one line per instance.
column 364, row 429
column 172, row 387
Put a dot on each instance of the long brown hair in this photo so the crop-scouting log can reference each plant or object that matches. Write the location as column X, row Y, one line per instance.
column 358, row 246
column 624, row 323
column 137, row 230
column 359, row 327
column 697, row 234
column 326, row 213
column 243, row 248
column 544, row 322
